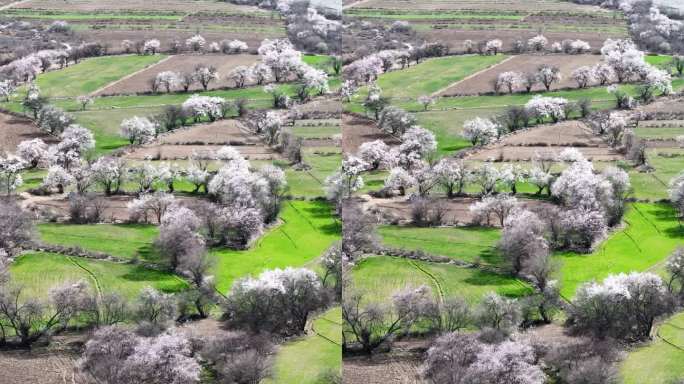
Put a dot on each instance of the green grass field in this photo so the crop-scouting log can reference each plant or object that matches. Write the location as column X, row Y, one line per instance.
column 460, row 243
column 379, row 277
column 432, row 75
column 653, row 186
column 121, row 240
column 38, row 272
column 651, row 234
column 105, row 125
column 599, row 96
column 92, row 74
column 313, row 355
column 659, row 133
column 448, row 125
column 308, row 229
column 658, row 362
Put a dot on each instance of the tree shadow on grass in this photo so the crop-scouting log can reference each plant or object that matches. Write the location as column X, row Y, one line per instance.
column 501, row 284
column 148, row 253
column 317, row 209
column 140, row 273
column 491, row 256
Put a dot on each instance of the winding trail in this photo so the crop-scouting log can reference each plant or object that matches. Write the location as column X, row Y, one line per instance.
column 440, row 290
column 89, row 272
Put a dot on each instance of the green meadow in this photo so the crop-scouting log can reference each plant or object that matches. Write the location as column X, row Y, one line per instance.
column 307, row 230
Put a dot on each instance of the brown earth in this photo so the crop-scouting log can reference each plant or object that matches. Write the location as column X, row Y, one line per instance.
column 138, row 83
column 357, row 130
column 549, row 141
column 492, row 5
column 324, row 105
column 667, row 105
column 481, row 82
column 397, row 210
column 399, row 366
column 14, row 130
column 37, row 367
column 116, row 210
column 454, row 38
column 137, row 5
column 204, row 139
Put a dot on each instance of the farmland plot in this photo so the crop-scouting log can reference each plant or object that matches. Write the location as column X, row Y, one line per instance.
column 481, row 82
column 454, row 38
column 14, row 130
column 38, row 272
column 398, row 209
column 115, row 207
column 379, row 277
column 204, row 139
column 135, row 5
column 495, row 5
column 547, row 141
column 91, row 74
column 224, row 64
column 357, row 130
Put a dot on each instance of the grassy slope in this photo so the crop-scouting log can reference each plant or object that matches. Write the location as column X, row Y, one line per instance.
column 137, row 238
column 313, row 355
column 465, row 243
column 38, row 272
column 651, row 234
column 308, row 229
column 380, row 277
column 658, row 362
column 654, row 185
column 91, row 74
column 433, row 74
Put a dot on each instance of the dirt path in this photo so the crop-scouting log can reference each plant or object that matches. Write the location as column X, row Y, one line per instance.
column 437, row 93
column 432, row 277
column 90, row 273
column 10, row 5
column 355, row 4
column 95, row 92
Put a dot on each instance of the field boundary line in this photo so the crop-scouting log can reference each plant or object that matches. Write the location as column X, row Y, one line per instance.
column 92, row 275
column 95, row 92
column 646, row 218
column 681, row 349
column 354, row 4
column 13, row 4
column 326, row 338
column 440, row 290
column 436, row 93
column 303, row 216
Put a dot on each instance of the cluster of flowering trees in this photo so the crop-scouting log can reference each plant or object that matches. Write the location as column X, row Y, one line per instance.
column 407, row 162
column 280, row 62
column 196, row 43
column 312, row 29
column 511, row 81
column 277, row 301
column 538, row 43
column 26, row 69
column 62, row 159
